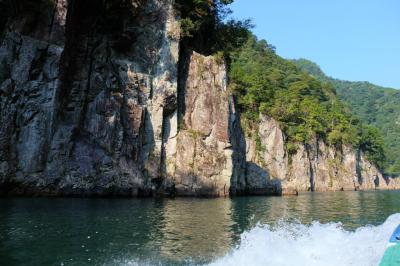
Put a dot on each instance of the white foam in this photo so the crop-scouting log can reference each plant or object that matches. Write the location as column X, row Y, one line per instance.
column 309, row 245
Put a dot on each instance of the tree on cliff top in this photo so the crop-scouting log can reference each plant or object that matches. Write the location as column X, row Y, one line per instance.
column 205, row 27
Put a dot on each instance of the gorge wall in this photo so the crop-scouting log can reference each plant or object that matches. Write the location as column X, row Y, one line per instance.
column 93, row 105
column 314, row 167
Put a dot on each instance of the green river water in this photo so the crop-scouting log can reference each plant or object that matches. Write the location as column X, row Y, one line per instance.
column 257, row 230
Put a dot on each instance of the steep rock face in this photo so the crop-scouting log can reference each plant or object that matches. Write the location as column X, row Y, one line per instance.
column 29, row 77
column 84, row 114
column 204, row 155
column 90, row 107
column 314, row 167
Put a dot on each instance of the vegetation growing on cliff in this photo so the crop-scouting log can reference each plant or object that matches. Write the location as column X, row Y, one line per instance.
column 264, row 83
column 373, row 105
column 305, row 107
column 205, row 27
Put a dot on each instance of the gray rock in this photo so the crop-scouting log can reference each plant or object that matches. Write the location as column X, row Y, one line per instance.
column 315, row 166
column 205, row 162
column 89, row 111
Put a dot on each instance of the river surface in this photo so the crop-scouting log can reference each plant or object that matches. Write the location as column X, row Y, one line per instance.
column 346, row 228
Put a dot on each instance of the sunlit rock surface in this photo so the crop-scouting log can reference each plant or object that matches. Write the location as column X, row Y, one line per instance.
column 93, row 103
column 314, row 167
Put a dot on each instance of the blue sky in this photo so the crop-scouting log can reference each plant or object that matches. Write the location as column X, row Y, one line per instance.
column 356, row 40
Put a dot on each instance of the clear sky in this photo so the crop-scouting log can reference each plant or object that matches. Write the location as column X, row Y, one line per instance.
column 356, row 40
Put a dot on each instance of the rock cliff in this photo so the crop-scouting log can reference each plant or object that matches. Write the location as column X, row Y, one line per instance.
column 314, row 167
column 83, row 105
column 202, row 156
column 91, row 104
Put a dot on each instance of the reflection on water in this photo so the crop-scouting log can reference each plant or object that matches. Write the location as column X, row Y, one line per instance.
column 197, row 227
column 180, row 231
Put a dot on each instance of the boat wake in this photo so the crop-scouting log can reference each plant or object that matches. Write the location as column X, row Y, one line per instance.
column 289, row 244
column 308, row 245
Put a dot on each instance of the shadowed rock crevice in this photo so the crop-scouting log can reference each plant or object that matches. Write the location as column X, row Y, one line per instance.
column 238, row 147
column 311, row 168
column 358, row 168
column 183, row 72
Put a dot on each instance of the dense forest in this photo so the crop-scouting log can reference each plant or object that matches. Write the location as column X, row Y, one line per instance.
column 373, row 105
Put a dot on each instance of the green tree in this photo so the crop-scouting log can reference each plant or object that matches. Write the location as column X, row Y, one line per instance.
column 305, row 107
column 205, row 26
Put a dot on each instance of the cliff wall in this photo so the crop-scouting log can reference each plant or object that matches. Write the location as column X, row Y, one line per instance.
column 87, row 111
column 95, row 104
column 83, row 113
column 314, row 167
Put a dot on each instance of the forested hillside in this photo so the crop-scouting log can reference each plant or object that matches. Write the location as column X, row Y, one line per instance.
column 374, row 105
column 305, row 107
